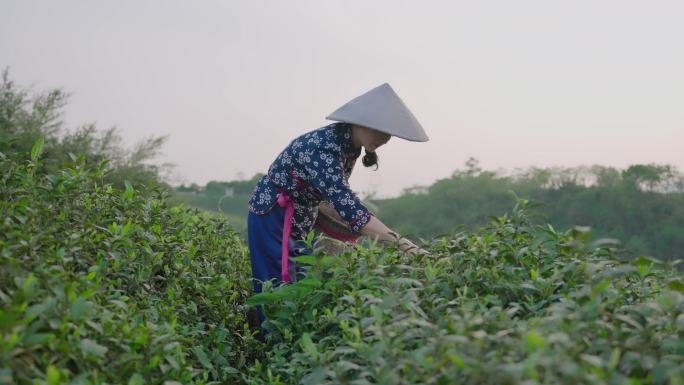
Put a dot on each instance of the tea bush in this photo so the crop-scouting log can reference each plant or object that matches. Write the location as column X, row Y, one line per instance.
column 100, row 285
column 514, row 303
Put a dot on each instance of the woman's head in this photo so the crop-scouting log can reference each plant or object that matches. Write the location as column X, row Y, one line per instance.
column 370, row 140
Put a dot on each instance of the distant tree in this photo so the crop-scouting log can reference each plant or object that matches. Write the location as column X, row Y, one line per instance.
column 472, row 168
column 643, row 206
column 25, row 116
column 649, row 177
column 606, row 176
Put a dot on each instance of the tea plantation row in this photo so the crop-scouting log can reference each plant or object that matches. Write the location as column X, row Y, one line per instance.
column 99, row 285
column 511, row 304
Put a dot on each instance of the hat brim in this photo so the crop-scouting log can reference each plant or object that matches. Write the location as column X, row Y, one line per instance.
column 409, row 138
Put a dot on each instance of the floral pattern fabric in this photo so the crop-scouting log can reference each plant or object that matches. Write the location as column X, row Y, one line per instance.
column 315, row 166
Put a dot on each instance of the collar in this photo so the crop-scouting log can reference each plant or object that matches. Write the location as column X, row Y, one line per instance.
column 345, row 136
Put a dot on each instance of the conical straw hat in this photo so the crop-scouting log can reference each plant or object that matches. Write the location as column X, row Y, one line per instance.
column 381, row 109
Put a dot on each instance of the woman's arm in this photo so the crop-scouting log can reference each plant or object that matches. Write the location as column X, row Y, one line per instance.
column 325, row 174
column 375, row 229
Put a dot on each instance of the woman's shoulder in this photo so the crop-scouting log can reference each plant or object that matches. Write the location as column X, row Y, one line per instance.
column 329, row 137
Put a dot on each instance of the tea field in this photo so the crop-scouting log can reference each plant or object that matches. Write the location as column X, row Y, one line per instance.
column 510, row 304
column 100, row 285
column 104, row 286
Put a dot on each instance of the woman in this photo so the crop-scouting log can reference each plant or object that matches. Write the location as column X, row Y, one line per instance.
column 314, row 168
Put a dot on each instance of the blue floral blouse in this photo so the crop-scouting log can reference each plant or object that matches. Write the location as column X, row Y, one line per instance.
column 315, row 166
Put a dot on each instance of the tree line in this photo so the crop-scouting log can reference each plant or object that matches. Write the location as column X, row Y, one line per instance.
column 642, row 206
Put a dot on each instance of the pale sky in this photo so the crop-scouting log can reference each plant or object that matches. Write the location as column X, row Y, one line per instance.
column 511, row 83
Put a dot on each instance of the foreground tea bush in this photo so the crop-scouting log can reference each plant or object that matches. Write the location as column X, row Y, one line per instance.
column 512, row 304
column 99, row 285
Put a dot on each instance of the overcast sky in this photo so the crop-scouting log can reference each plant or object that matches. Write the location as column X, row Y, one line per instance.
column 511, row 83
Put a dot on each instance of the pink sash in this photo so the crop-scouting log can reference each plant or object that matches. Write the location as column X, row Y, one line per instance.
column 284, row 200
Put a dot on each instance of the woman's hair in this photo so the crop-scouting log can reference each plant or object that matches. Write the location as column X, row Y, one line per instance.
column 370, row 159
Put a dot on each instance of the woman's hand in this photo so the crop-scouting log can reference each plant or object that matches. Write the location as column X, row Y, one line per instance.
column 405, row 245
column 376, row 229
column 411, row 248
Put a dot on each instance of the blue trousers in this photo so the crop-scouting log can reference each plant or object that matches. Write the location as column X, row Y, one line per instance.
column 264, row 235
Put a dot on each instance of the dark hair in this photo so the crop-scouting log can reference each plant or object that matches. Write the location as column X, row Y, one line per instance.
column 370, row 159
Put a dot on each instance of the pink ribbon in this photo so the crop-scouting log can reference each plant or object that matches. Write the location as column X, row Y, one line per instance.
column 284, row 200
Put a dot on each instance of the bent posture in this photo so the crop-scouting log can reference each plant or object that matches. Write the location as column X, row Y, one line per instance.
column 315, row 168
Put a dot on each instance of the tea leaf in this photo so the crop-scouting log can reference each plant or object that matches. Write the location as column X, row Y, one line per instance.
column 308, row 346
column 90, row 347
column 37, row 148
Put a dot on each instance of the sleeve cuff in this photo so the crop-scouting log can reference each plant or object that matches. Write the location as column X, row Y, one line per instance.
column 357, row 223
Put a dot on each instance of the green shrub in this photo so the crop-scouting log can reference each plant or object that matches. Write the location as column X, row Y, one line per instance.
column 514, row 303
column 26, row 115
column 101, row 285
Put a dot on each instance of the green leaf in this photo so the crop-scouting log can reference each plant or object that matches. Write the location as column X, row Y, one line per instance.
column 202, row 357
column 309, row 239
column 306, row 259
column 593, row 360
column 136, row 379
column 614, row 359
column 310, row 282
column 534, row 275
column 52, row 375
column 534, row 341
column 229, row 370
column 645, row 264
column 317, row 376
column 128, row 194
column 126, row 228
column 79, row 308
column 629, row 320
column 456, row 360
column 600, row 287
column 38, row 338
column 676, row 285
column 173, row 362
column 29, row 286
column 308, row 346
column 37, row 148
column 95, row 326
column 92, row 348
column 621, row 271
column 605, row 242
column 398, row 282
column 529, row 286
column 43, row 307
column 261, row 299
column 121, row 304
